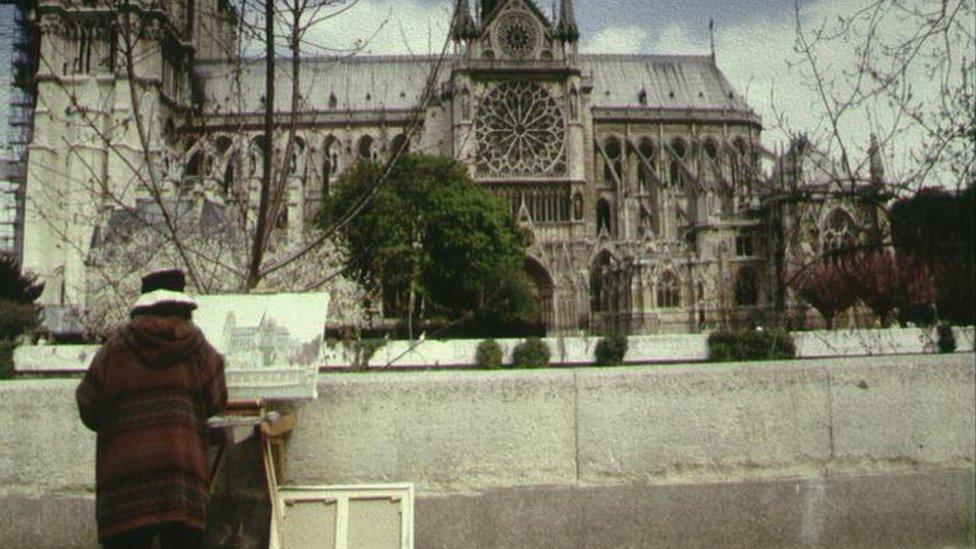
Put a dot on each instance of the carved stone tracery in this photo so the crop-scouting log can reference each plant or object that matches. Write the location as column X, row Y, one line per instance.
column 518, row 36
column 521, row 133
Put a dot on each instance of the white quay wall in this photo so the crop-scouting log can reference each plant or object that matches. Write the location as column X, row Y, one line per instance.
column 649, row 349
column 569, row 351
column 813, row 453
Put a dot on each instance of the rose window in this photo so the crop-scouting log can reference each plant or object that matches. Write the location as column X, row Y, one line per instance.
column 520, row 133
column 838, row 233
column 517, row 35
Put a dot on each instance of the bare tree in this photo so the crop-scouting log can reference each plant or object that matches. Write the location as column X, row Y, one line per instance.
column 151, row 213
column 912, row 79
column 895, row 89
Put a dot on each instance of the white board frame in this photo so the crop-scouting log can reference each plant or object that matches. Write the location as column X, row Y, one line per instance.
column 341, row 495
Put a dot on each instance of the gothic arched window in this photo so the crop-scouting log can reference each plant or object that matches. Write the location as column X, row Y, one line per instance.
column 838, row 234
column 196, row 166
column 230, row 173
column 711, row 150
column 400, row 145
column 645, row 165
column 223, row 144
column 330, row 157
column 612, row 165
column 746, row 287
column 646, row 228
column 603, row 216
column 736, row 159
column 668, row 291
column 365, row 147
column 577, row 207
column 675, row 172
column 465, row 105
column 295, row 161
column 255, row 157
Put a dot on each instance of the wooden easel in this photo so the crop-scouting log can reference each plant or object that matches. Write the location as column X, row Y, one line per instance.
column 243, row 425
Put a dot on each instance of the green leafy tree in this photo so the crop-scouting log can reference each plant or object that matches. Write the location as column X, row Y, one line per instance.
column 18, row 314
column 938, row 229
column 14, row 286
column 430, row 240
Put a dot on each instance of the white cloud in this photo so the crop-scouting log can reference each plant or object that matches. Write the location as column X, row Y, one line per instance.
column 627, row 39
column 759, row 58
column 676, row 39
column 385, row 27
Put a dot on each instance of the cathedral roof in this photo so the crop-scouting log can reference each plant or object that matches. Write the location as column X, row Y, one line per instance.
column 659, row 81
column 396, row 82
column 358, row 83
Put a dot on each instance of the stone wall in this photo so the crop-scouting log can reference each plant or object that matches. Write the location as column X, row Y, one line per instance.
column 569, row 351
column 649, row 349
column 868, row 452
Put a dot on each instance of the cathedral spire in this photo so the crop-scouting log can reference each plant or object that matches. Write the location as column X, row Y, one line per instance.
column 463, row 27
column 877, row 172
column 567, row 29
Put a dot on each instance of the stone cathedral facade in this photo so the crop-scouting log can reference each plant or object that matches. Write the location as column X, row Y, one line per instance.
column 638, row 175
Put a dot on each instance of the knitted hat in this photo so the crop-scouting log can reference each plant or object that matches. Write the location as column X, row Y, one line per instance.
column 164, row 286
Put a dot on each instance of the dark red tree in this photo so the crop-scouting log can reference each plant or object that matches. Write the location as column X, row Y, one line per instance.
column 885, row 282
column 826, row 287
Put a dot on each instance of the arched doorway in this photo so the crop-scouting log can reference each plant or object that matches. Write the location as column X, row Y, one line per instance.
column 544, row 289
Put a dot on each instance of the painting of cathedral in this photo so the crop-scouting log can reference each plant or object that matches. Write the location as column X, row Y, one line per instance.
column 256, row 332
column 653, row 205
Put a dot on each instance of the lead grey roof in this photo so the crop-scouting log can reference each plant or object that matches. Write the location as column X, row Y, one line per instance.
column 669, row 82
column 360, row 82
column 397, row 82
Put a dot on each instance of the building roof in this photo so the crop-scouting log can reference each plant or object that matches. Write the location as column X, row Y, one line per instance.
column 667, row 82
column 397, row 82
column 358, row 83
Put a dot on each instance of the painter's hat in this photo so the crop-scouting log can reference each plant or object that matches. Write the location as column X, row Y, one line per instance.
column 164, row 286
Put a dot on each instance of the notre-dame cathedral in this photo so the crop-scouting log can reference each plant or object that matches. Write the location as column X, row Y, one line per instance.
column 640, row 176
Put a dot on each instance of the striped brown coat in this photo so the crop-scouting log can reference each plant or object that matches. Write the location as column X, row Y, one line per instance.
column 148, row 394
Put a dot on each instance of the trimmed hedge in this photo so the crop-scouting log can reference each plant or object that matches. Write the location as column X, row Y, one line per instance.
column 489, row 354
column 728, row 346
column 947, row 339
column 610, row 350
column 531, row 353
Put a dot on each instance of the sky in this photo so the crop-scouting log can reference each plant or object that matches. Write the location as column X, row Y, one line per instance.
column 754, row 47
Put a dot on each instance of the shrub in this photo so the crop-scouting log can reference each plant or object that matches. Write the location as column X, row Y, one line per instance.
column 7, row 359
column 611, row 349
column 724, row 346
column 947, row 339
column 489, row 354
column 17, row 318
column 15, row 286
column 531, row 353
